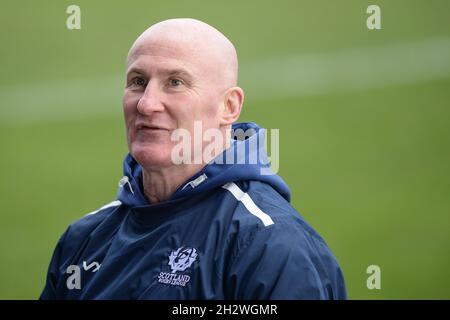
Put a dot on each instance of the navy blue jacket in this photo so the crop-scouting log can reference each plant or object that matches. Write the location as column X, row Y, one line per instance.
column 228, row 233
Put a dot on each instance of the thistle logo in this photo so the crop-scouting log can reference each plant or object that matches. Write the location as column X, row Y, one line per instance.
column 182, row 259
column 179, row 260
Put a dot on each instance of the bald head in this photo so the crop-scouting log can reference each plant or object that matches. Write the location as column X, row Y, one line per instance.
column 200, row 45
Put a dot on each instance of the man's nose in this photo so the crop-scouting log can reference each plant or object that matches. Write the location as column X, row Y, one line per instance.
column 150, row 100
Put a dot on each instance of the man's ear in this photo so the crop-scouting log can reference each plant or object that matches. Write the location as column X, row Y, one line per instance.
column 233, row 100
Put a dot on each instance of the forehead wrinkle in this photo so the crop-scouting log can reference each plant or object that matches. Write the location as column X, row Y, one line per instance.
column 176, row 69
column 150, row 47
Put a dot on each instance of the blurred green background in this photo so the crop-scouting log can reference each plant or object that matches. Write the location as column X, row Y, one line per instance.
column 364, row 121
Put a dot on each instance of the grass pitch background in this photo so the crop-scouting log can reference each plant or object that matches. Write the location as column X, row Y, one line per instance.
column 365, row 148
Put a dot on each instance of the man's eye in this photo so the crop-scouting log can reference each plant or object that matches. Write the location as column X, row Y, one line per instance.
column 139, row 81
column 175, row 82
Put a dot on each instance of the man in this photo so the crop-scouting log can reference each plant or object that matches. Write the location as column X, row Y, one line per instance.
column 198, row 229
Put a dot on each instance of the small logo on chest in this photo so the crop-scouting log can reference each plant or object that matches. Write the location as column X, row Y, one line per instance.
column 179, row 260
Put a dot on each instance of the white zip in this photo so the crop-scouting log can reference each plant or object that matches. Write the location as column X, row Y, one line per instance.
column 194, row 183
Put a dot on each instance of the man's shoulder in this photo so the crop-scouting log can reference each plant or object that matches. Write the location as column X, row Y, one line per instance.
column 88, row 222
column 258, row 203
column 78, row 232
column 260, row 208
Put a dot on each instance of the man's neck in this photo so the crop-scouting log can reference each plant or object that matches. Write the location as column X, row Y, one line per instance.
column 160, row 185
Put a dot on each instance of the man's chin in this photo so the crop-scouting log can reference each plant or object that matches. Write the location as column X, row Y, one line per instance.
column 149, row 157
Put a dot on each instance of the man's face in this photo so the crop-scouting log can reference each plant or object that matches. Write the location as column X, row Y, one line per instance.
column 169, row 85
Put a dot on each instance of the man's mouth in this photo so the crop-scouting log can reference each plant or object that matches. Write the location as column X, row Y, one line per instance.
column 150, row 128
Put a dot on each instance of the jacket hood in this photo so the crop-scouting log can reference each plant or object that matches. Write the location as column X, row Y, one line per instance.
column 245, row 159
